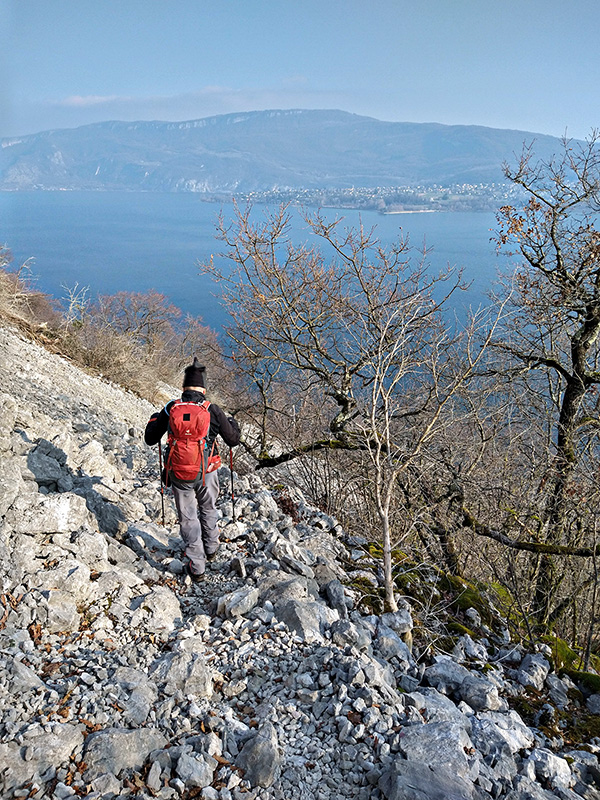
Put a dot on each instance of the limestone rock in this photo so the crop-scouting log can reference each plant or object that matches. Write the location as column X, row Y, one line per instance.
column 480, row 694
column 511, row 728
column 280, row 587
column 558, row 690
column 62, row 614
column 260, row 757
column 71, row 576
column 446, row 675
column 138, row 705
column 440, row 743
column 56, row 513
column 46, row 465
column 11, row 484
column 41, row 748
column 533, row 671
column 8, row 415
column 93, row 462
column 399, row 621
column 345, row 632
column 185, row 672
column 551, row 767
column 24, row 679
column 390, row 645
column 334, row 592
column 159, row 610
column 309, row 619
column 236, row 604
column 436, row 707
column 413, row 780
column 91, row 547
column 106, row 785
column 196, row 771
column 593, row 703
column 114, row 749
column 129, row 677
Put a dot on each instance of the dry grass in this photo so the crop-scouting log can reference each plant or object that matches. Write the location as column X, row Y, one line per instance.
column 137, row 340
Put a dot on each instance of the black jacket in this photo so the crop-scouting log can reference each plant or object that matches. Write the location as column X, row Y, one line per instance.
column 220, row 425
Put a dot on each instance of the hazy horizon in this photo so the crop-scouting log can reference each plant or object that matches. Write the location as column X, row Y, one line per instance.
column 462, row 62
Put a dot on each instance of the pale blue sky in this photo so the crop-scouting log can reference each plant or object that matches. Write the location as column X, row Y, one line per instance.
column 532, row 65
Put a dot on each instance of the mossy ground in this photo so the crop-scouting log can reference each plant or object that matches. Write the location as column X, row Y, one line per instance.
column 563, row 657
column 441, row 599
column 432, row 593
column 575, row 726
column 589, row 681
column 585, row 728
column 466, row 594
column 372, row 599
column 460, row 630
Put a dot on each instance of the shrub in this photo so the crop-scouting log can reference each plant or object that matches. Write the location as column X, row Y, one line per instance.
column 138, row 340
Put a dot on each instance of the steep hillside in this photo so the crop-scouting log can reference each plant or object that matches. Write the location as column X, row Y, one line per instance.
column 273, row 679
column 260, row 151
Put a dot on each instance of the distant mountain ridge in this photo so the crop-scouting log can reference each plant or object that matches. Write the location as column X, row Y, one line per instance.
column 261, row 150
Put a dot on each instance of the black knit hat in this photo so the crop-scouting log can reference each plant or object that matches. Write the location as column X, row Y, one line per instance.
column 194, row 375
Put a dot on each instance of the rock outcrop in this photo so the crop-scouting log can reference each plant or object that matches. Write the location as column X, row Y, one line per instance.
column 120, row 678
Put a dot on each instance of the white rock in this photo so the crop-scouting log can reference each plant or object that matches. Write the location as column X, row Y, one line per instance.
column 56, row 513
column 512, row 729
column 552, row 768
column 533, row 671
column 238, row 603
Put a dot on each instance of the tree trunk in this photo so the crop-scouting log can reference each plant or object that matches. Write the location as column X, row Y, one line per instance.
column 548, row 583
column 390, row 600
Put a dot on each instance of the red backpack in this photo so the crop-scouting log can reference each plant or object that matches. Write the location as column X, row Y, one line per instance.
column 189, row 424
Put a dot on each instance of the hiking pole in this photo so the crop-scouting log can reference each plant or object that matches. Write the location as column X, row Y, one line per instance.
column 162, row 493
column 232, row 493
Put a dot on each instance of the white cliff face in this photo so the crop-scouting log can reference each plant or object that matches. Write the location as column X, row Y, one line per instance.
column 118, row 678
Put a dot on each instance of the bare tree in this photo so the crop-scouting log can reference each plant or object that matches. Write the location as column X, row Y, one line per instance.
column 358, row 338
column 550, row 349
column 116, row 333
column 145, row 317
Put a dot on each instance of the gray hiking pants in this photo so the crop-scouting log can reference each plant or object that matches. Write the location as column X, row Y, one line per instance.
column 197, row 511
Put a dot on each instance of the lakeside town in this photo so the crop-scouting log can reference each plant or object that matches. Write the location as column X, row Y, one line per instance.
column 396, row 199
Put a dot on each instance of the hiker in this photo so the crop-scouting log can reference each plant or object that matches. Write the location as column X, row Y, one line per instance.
column 193, row 424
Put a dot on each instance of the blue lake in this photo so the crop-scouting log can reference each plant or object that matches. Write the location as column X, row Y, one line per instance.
column 136, row 242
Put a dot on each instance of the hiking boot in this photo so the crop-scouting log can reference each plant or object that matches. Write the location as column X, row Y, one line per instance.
column 195, row 577
column 212, row 556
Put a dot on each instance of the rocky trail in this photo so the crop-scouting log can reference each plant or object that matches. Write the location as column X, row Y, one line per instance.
column 270, row 680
